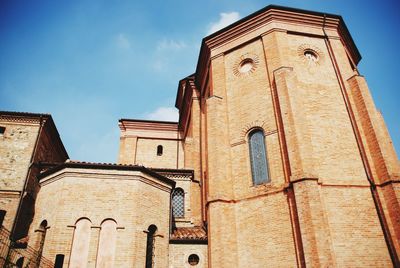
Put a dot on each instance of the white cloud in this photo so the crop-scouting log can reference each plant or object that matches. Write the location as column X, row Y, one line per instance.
column 170, row 45
column 164, row 114
column 224, row 20
column 123, row 41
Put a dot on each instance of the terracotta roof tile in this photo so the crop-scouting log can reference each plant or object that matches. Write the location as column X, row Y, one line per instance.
column 189, row 233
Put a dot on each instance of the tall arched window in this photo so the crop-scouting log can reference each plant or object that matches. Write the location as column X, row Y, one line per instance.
column 80, row 244
column 150, row 246
column 258, row 157
column 178, row 203
column 107, row 244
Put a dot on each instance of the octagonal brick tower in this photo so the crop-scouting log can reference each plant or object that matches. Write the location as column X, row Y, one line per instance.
column 327, row 193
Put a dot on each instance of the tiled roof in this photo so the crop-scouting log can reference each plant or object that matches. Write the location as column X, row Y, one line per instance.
column 112, row 166
column 13, row 113
column 189, row 233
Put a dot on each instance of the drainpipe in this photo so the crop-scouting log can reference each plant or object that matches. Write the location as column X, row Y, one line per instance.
column 374, row 192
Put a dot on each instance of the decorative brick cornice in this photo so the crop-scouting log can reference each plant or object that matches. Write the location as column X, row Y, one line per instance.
column 263, row 17
column 106, row 166
column 22, row 117
column 125, row 124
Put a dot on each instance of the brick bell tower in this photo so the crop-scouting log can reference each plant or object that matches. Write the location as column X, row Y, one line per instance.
column 297, row 167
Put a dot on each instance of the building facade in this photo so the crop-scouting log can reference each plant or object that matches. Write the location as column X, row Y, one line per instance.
column 279, row 159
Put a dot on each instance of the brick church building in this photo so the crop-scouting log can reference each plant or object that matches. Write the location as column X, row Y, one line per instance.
column 279, row 159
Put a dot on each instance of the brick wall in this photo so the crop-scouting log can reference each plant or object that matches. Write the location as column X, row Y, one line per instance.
column 133, row 199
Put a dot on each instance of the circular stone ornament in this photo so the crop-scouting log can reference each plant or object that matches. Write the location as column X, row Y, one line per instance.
column 310, row 55
column 246, row 64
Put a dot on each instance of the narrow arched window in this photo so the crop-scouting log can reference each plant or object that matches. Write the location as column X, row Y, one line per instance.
column 178, row 203
column 258, row 157
column 59, row 261
column 159, row 150
column 2, row 216
column 80, row 244
column 150, row 246
column 41, row 237
column 20, row 262
column 107, row 244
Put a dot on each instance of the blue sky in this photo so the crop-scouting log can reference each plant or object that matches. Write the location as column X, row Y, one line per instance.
column 92, row 62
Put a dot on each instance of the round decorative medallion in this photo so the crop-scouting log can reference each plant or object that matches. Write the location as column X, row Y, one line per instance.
column 246, row 64
column 311, row 55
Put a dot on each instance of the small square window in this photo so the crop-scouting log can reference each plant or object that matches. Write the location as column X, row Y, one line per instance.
column 2, row 130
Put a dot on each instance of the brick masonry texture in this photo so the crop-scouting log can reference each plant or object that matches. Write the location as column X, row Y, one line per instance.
column 333, row 199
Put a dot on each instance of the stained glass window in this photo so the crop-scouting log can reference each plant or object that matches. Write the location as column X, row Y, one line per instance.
column 258, row 157
column 178, row 205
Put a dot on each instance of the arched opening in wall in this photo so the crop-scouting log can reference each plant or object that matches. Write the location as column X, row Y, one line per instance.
column 20, row 262
column 150, row 245
column 41, row 237
column 80, row 244
column 160, row 150
column 258, row 157
column 59, row 261
column 107, row 244
column 178, row 203
column 2, row 216
column 2, row 130
column 193, row 259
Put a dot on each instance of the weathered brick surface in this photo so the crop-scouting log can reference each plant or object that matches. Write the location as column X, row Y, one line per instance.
column 356, row 234
column 16, row 148
column 334, row 173
column 146, row 154
column 179, row 254
column 317, row 134
column 132, row 199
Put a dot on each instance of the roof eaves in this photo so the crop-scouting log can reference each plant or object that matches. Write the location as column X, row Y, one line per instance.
column 108, row 166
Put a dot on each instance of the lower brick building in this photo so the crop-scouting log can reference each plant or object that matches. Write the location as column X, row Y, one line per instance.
column 279, row 159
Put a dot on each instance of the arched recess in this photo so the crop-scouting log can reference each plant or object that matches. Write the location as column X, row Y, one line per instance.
column 258, row 157
column 80, row 244
column 150, row 246
column 107, row 244
column 40, row 239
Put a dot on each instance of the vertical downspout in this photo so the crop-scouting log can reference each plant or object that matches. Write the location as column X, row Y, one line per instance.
column 201, row 175
column 27, row 178
column 374, row 192
column 177, row 147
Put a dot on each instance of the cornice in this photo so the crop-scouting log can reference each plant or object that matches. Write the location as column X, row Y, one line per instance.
column 89, row 167
column 86, row 174
column 272, row 14
column 126, row 124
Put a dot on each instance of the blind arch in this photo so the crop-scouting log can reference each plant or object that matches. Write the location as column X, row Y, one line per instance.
column 80, row 244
